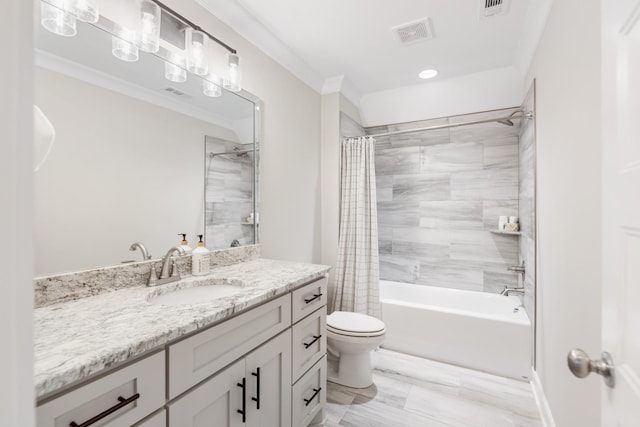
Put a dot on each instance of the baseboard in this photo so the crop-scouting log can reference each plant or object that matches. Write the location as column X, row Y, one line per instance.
column 541, row 401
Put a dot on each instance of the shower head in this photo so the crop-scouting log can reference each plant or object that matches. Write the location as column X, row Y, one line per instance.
column 509, row 122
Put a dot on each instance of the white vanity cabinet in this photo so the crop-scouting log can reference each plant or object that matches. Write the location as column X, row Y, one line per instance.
column 254, row 392
column 119, row 399
column 265, row 367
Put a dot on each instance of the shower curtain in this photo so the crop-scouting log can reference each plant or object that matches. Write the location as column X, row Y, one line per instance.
column 357, row 273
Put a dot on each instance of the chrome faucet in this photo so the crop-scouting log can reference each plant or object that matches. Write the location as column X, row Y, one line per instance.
column 169, row 272
column 517, row 268
column 510, row 291
column 145, row 253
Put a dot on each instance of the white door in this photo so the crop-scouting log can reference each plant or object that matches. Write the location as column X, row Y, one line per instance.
column 621, row 213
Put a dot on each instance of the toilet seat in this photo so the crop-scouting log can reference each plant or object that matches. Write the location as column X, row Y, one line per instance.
column 354, row 324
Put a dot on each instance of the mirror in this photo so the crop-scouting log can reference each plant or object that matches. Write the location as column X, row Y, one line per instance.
column 136, row 158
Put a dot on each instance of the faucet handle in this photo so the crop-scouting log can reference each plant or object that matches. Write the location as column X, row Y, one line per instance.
column 174, row 269
column 152, row 275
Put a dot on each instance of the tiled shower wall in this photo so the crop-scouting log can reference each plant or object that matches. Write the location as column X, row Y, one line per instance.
column 228, row 195
column 439, row 195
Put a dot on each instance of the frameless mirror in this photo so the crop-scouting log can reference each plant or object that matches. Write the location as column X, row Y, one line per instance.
column 136, row 157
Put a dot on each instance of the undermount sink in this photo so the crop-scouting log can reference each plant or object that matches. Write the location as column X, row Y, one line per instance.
column 197, row 294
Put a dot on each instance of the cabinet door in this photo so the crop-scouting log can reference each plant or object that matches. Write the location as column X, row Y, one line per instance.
column 214, row 403
column 269, row 383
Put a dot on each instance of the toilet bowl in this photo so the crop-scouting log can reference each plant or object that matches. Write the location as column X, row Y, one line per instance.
column 351, row 337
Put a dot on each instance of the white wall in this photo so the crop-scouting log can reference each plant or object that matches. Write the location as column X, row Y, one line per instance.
column 290, row 148
column 566, row 67
column 114, row 177
column 488, row 90
column 16, row 261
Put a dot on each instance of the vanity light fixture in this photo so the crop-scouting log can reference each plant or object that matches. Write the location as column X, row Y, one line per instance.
column 428, row 74
column 84, row 10
column 150, row 14
column 59, row 17
column 56, row 17
column 174, row 69
column 211, row 87
column 125, row 46
column 197, row 61
column 234, row 73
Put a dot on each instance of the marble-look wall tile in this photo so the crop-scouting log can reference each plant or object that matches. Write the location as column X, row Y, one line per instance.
column 439, row 195
column 398, row 215
column 404, row 160
column 452, row 273
column 384, row 188
column 385, row 240
column 399, row 269
column 486, row 184
column 452, row 157
column 418, row 188
column 451, row 214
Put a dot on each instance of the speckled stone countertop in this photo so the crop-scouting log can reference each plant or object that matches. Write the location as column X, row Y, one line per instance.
column 75, row 339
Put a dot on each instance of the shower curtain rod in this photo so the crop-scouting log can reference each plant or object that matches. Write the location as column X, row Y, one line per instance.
column 522, row 115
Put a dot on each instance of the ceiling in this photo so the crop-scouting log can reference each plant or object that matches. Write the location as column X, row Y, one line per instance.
column 354, row 38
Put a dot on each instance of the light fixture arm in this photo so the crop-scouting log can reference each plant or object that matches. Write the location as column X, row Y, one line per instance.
column 194, row 26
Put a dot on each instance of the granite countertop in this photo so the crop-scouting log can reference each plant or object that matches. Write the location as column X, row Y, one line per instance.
column 75, row 339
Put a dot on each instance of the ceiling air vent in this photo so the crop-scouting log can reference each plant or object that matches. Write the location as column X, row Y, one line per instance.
column 491, row 8
column 176, row 92
column 413, row 32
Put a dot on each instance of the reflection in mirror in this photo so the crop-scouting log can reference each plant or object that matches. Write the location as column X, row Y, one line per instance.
column 128, row 163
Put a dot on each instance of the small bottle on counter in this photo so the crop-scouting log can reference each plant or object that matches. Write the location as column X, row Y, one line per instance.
column 184, row 244
column 200, row 259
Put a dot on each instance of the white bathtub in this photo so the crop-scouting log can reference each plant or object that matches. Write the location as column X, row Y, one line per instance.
column 472, row 329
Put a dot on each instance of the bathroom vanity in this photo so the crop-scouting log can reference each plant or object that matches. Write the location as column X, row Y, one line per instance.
column 255, row 357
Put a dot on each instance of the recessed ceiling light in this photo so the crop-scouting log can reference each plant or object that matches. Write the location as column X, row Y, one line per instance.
column 428, row 74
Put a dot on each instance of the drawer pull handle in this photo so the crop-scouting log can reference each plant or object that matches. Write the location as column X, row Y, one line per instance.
column 315, row 338
column 315, row 297
column 114, row 408
column 315, row 393
column 243, row 411
column 257, row 398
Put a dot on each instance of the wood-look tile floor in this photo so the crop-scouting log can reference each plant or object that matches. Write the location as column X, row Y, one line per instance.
column 409, row 391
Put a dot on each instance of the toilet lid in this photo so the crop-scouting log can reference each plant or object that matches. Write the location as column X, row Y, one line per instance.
column 346, row 322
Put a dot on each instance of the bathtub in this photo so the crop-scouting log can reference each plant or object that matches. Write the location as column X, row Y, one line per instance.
column 475, row 330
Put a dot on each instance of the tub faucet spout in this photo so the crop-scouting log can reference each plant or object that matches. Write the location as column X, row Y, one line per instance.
column 512, row 291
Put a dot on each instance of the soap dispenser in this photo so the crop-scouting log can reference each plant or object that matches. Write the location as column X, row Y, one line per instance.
column 184, row 244
column 200, row 260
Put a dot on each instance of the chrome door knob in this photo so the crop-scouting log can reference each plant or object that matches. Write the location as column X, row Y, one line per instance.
column 581, row 365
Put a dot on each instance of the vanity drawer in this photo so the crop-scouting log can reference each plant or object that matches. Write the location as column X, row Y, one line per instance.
column 309, row 342
column 202, row 355
column 308, row 299
column 309, row 394
column 144, row 379
column 156, row 420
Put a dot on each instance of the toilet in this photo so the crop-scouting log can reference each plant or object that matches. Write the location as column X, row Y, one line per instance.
column 351, row 337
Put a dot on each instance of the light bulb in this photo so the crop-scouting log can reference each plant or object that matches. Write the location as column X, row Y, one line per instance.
column 84, row 10
column 196, row 52
column 149, row 26
column 55, row 18
column 124, row 47
column 212, row 87
column 233, row 81
column 174, row 71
